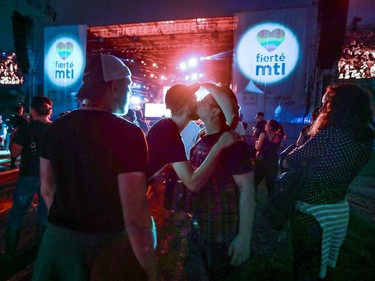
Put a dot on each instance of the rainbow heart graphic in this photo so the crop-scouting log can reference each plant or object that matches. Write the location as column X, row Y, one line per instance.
column 271, row 40
column 64, row 50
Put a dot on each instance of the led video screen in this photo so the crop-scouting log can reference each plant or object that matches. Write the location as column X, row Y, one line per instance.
column 10, row 74
column 358, row 56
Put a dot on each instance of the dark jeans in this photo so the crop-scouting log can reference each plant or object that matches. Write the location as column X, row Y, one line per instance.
column 26, row 188
column 170, row 182
column 205, row 261
column 306, row 243
column 175, row 192
column 68, row 255
column 267, row 170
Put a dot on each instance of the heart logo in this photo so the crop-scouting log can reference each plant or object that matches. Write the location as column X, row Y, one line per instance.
column 64, row 50
column 271, row 40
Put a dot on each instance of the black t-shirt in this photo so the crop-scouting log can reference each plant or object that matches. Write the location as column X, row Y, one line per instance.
column 165, row 145
column 235, row 160
column 17, row 120
column 30, row 136
column 87, row 150
column 259, row 128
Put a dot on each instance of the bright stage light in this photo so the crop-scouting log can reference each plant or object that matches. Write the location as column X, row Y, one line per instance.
column 193, row 62
column 135, row 100
column 183, row 66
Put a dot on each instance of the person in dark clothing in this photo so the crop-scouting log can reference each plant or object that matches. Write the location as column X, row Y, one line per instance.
column 259, row 126
column 267, row 155
column 304, row 134
column 131, row 116
column 166, row 145
column 16, row 120
column 223, row 209
column 3, row 133
column 141, row 121
column 27, row 142
column 339, row 147
column 93, row 171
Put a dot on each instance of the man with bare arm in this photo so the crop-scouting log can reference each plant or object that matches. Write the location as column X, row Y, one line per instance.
column 223, row 208
column 93, row 176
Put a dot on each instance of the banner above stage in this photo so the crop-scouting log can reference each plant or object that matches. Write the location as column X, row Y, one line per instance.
column 64, row 62
column 269, row 63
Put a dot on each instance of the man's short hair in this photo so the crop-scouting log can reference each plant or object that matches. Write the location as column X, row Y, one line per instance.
column 42, row 105
column 17, row 108
column 98, row 71
column 180, row 95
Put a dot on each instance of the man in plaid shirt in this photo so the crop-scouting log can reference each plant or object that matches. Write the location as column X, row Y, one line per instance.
column 223, row 209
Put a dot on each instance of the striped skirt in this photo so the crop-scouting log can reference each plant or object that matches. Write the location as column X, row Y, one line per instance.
column 334, row 220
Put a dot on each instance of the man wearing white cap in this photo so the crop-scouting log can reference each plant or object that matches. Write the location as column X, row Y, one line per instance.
column 93, row 174
column 223, row 209
column 166, row 145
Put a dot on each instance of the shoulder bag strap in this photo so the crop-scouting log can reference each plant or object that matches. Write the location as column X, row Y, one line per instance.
column 269, row 144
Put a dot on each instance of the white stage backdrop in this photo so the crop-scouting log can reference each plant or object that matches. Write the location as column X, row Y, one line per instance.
column 270, row 63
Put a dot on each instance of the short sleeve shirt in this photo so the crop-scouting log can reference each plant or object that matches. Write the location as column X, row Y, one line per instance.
column 88, row 150
column 27, row 133
column 216, row 205
column 165, row 145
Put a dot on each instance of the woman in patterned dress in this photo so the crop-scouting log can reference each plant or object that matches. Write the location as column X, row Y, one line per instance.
column 339, row 147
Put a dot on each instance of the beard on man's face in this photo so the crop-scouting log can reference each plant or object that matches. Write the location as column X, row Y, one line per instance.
column 122, row 103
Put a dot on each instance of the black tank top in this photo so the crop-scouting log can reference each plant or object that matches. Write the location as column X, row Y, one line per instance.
column 270, row 149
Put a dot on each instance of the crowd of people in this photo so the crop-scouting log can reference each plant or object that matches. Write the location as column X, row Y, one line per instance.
column 9, row 73
column 358, row 56
column 93, row 167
